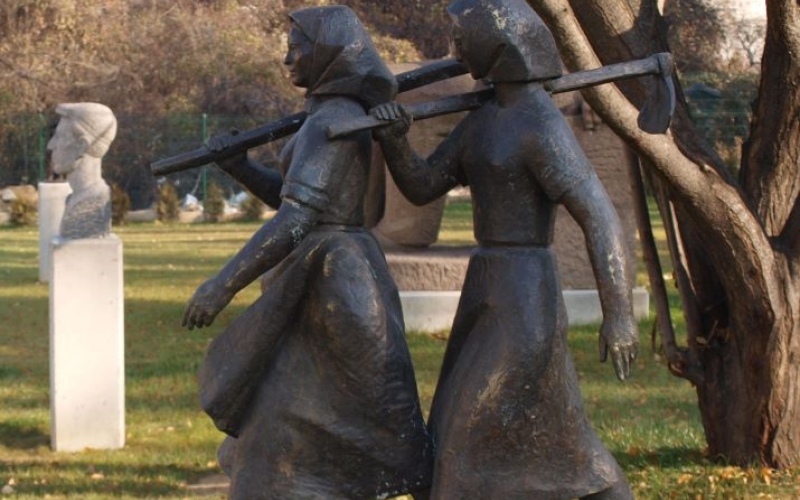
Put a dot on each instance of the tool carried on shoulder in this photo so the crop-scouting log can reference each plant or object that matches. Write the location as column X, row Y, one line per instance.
column 259, row 136
column 654, row 116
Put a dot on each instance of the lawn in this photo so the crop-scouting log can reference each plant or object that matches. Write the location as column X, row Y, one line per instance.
column 650, row 423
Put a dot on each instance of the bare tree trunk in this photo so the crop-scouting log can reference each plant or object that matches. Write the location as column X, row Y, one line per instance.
column 736, row 248
column 770, row 159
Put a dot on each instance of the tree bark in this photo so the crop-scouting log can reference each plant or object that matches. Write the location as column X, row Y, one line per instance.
column 769, row 169
column 739, row 282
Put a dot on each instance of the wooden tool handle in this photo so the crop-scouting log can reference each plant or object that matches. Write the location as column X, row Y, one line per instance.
column 242, row 142
column 420, row 111
column 409, row 80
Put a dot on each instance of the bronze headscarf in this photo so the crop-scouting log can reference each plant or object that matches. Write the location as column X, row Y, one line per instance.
column 345, row 61
column 507, row 41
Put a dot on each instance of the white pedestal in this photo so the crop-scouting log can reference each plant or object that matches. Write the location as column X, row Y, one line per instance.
column 87, row 371
column 583, row 306
column 434, row 311
column 429, row 311
column 52, row 202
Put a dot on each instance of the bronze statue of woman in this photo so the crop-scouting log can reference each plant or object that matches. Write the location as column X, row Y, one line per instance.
column 507, row 418
column 314, row 382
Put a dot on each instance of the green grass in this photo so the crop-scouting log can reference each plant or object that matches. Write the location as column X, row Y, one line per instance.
column 651, row 424
column 457, row 225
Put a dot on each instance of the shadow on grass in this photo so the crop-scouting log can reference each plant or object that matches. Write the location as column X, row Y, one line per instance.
column 77, row 478
column 669, row 457
column 22, row 436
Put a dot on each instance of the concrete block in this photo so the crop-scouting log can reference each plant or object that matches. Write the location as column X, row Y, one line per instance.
column 434, row 310
column 583, row 306
column 87, row 373
column 52, row 202
column 146, row 215
column 429, row 311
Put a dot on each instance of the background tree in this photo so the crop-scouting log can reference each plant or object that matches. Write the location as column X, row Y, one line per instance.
column 252, row 208
column 748, row 38
column 214, row 204
column 734, row 243
column 120, row 204
column 695, row 34
column 160, row 65
column 168, row 205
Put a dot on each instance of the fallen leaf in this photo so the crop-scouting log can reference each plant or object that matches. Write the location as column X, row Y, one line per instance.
column 766, row 475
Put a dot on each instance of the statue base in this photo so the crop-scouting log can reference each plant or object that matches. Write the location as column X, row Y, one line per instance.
column 52, row 202
column 430, row 281
column 87, row 369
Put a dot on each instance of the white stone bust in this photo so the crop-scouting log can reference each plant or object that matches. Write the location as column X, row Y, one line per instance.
column 83, row 135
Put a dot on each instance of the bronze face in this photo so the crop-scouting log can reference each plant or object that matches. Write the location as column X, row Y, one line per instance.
column 299, row 58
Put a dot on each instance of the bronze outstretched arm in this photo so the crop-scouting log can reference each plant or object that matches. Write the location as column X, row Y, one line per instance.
column 268, row 246
column 589, row 205
column 309, row 180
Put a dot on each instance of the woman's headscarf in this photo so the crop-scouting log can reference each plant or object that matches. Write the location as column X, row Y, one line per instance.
column 344, row 61
column 506, row 40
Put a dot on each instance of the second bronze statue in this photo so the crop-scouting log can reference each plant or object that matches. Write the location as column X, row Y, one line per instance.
column 507, row 417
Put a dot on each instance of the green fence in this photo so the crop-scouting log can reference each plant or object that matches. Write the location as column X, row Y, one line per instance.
column 23, row 156
column 141, row 139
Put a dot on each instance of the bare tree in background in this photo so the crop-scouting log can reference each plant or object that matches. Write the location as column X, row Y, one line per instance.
column 748, row 39
column 734, row 243
column 695, row 34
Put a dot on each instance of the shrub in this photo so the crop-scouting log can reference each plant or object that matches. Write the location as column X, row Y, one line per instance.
column 253, row 208
column 24, row 211
column 214, row 204
column 120, row 204
column 168, row 205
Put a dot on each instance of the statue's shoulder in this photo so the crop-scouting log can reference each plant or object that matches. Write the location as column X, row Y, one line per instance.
column 335, row 109
column 545, row 123
column 543, row 106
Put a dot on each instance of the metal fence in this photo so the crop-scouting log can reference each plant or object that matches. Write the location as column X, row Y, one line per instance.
column 23, row 144
column 723, row 122
column 140, row 141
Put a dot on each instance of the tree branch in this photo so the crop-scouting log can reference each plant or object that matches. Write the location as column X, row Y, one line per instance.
column 626, row 34
column 791, row 232
column 677, row 359
column 770, row 173
column 694, row 329
column 733, row 237
column 23, row 74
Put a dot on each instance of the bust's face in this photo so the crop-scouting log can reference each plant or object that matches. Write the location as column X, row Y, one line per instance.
column 66, row 146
